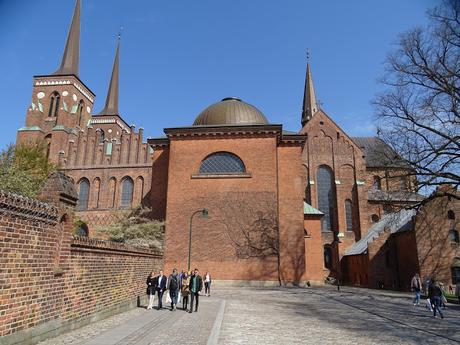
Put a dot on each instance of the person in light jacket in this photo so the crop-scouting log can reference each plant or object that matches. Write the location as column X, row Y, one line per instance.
column 416, row 286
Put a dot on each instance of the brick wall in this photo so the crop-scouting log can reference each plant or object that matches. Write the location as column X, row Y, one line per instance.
column 50, row 278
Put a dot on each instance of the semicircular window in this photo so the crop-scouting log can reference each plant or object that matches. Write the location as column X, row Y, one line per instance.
column 222, row 163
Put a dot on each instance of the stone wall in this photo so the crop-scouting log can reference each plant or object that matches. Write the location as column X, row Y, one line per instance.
column 51, row 281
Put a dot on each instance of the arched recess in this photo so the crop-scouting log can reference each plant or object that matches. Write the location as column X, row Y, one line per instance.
column 48, row 145
column 139, row 190
column 127, row 189
column 327, row 254
column 112, row 192
column 55, row 99
column 96, row 192
column 83, row 194
column 327, row 199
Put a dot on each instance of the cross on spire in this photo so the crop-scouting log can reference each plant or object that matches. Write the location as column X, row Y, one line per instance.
column 310, row 105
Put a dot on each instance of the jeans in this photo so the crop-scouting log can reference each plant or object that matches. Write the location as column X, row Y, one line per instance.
column 417, row 297
column 173, row 294
column 194, row 296
column 436, row 305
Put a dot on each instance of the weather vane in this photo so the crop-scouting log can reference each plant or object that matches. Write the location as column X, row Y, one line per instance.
column 308, row 54
column 119, row 32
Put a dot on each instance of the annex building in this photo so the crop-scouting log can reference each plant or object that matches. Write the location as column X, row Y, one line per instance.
column 290, row 206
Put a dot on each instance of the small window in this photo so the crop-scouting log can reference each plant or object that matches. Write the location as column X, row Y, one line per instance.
column 349, row 214
column 82, row 230
column 375, row 218
column 127, row 187
column 377, row 184
column 54, row 104
column 327, row 257
column 101, row 135
column 81, row 107
column 450, row 215
column 83, row 194
column 455, row 272
column 453, row 235
column 222, row 163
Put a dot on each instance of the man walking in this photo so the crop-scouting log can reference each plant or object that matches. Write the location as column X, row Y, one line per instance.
column 435, row 294
column 416, row 286
column 173, row 287
column 161, row 287
column 196, row 284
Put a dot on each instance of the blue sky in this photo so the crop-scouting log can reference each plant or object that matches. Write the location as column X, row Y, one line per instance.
column 179, row 56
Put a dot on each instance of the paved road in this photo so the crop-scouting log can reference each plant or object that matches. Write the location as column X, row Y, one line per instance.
column 278, row 316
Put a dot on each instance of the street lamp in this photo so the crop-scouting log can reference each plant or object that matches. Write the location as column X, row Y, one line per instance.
column 204, row 214
column 337, row 242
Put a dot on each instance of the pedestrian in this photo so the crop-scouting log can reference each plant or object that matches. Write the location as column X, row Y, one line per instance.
column 443, row 297
column 173, row 287
column 196, row 284
column 161, row 287
column 457, row 291
column 207, row 284
column 151, row 287
column 185, row 290
column 435, row 294
column 416, row 286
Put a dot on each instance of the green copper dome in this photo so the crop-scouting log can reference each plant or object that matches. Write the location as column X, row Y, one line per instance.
column 230, row 111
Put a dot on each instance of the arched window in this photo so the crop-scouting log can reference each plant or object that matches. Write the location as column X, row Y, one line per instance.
column 222, row 163
column 453, row 235
column 377, row 183
column 349, row 214
column 327, row 257
column 326, row 197
column 54, row 104
column 375, row 218
column 81, row 229
column 455, row 271
column 101, row 135
column 127, row 186
column 81, row 107
column 83, row 194
column 450, row 215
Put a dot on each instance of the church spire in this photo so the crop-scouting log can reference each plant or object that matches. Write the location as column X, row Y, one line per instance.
column 71, row 56
column 310, row 106
column 111, row 102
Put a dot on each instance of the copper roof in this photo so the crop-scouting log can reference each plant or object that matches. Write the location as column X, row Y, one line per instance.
column 230, row 111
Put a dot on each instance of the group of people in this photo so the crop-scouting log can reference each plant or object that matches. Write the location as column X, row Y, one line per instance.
column 179, row 286
column 435, row 292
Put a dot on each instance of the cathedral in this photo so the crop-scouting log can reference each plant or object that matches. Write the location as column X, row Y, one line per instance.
column 260, row 205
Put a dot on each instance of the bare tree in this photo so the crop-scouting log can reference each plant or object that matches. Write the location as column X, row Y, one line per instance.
column 418, row 114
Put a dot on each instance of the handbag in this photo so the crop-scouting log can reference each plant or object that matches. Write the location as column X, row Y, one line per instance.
column 168, row 298
column 179, row 296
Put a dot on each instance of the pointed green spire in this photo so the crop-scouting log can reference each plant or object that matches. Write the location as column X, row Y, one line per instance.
column 111, row 102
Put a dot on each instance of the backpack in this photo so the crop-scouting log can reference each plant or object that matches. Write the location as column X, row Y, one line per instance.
column 173, row 285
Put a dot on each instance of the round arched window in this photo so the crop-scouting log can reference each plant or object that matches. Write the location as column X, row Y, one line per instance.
column 222, row 163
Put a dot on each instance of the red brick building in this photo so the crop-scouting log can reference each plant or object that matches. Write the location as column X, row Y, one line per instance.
column 282, row 205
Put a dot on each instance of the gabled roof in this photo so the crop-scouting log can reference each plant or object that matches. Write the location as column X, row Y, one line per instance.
column 395, row 222
column 379, row 154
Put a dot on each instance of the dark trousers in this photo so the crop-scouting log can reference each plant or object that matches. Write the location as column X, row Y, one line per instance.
column 160, row 299
column 437, row 305
column 173, row 294
column 207, row 288
column 184, row 302
column 194, row 296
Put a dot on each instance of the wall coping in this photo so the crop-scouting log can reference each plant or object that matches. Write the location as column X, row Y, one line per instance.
column 95, row 243
column 25, row 207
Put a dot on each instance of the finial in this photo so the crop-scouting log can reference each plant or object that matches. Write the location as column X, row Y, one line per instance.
column 119, row 33
column 308, row 54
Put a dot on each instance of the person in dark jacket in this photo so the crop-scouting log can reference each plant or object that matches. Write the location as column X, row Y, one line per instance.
column 196, row 285
column 435, row 294
column 161, row 288
column 151, row 288
column 173, row 287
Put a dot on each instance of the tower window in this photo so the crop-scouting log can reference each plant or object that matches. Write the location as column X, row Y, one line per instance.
column 83, row 195
column 349, row 214
column 54, row 104
column 326, row 197
column 377, row 184
column 81, row 107
column 222, row 163
column 127, row 187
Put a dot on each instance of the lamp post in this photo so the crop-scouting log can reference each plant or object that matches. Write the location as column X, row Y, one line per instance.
column 204, row 214
column 337, row 242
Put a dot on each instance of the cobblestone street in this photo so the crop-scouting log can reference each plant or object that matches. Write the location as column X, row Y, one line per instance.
column 278, row 316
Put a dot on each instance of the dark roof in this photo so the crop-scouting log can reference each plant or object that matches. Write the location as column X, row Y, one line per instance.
column 111, row 102
column 393, row 196
column 231, row 111
column 378, row 154
column 71, row 56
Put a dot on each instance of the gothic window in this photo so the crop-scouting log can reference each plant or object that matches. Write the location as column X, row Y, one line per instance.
column 450, row 215
column 127, row 186
column 81, row 107
column 112, row 192
column 222, row 163
column 327, row 257
column 453, row 235
column 48, row 145
column 349, row 214
column 83, row 194
column 377, row 183
column 54, row 104
column 326, row 197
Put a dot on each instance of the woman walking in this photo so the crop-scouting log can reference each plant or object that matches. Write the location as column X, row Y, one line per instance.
column 185, row 290
column 207, row 284
column 151, row 287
